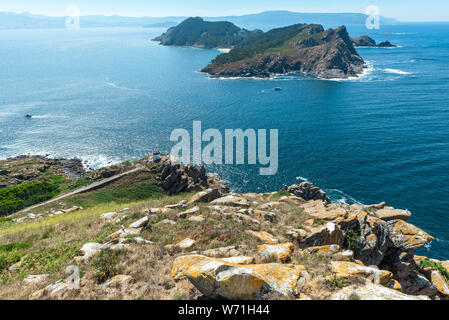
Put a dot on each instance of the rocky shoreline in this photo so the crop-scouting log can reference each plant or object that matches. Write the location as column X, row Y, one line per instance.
column 26, row 168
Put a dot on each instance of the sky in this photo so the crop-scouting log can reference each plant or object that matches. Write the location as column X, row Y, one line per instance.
column 403, row 10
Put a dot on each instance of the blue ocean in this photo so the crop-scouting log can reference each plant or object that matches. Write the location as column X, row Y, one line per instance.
column 109, row 95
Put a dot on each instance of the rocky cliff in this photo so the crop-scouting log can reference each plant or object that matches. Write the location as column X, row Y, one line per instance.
column 299, row 48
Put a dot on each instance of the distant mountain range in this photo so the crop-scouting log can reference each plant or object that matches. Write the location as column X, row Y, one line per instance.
column 264, row 20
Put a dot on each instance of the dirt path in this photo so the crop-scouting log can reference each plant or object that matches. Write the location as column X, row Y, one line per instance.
column 90, row 187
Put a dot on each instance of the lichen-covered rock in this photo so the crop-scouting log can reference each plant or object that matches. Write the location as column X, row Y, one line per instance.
column 216, row 278
column 188, row 213
column 406, row 236
column 373, row 291
column 388, row 214
column 278, row 252
column 184, row 244
column 263, row 236
column 347, row 269
column 231, row 200
column 224, row 252
column 205, row 196
column 439, row 282
column 90, row 250
column 319, row 209
column 329, row 249
column 325, row 235
column 240, row 260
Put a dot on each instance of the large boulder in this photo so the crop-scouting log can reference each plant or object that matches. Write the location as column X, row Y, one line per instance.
column 277, row 252
column 216, row 278
column 346, row 269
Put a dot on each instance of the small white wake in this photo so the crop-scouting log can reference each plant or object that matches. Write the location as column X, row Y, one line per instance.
column 397, row 71
column 113, row 85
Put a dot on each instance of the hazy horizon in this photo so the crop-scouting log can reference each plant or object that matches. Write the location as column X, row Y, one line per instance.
column 401, row 10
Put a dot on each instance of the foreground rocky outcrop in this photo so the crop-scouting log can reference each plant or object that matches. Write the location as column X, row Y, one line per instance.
column 176, row 178
column 214, row 244
column 299, row 48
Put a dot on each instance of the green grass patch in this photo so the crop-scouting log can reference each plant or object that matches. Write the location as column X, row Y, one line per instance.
column 48, row 260
column 15, row 198
column 352, row 239
column 122, row 194
column 280, row 194
column 12, row 252
column 425, row 263
column 106, row 265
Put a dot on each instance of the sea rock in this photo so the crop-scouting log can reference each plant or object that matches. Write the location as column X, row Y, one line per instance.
column 307, row 191
column 278, row 252
column 216, row 278
column 373, row 291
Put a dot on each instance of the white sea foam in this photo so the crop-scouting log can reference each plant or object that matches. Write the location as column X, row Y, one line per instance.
column 397, row 71
column 98, row 161
column 341, row 197
column 114, row 85
column 366, row 72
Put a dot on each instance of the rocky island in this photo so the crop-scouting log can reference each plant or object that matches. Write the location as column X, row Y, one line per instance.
column 195, row 32
column 299, row 48
column 365, row 41
column 166, row 231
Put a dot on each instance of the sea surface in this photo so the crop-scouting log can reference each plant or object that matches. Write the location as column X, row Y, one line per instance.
column 109, row 95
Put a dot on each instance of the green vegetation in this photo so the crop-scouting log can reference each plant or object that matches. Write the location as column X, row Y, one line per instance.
column 49, row 260
column 426, row 263
column 12, row 252
column 274, row 40
column 119, row 194
column 280, row 194
column 106, row 265
column 15, row 198
column 352, row 239
column 197, row 32
column 337, row 282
